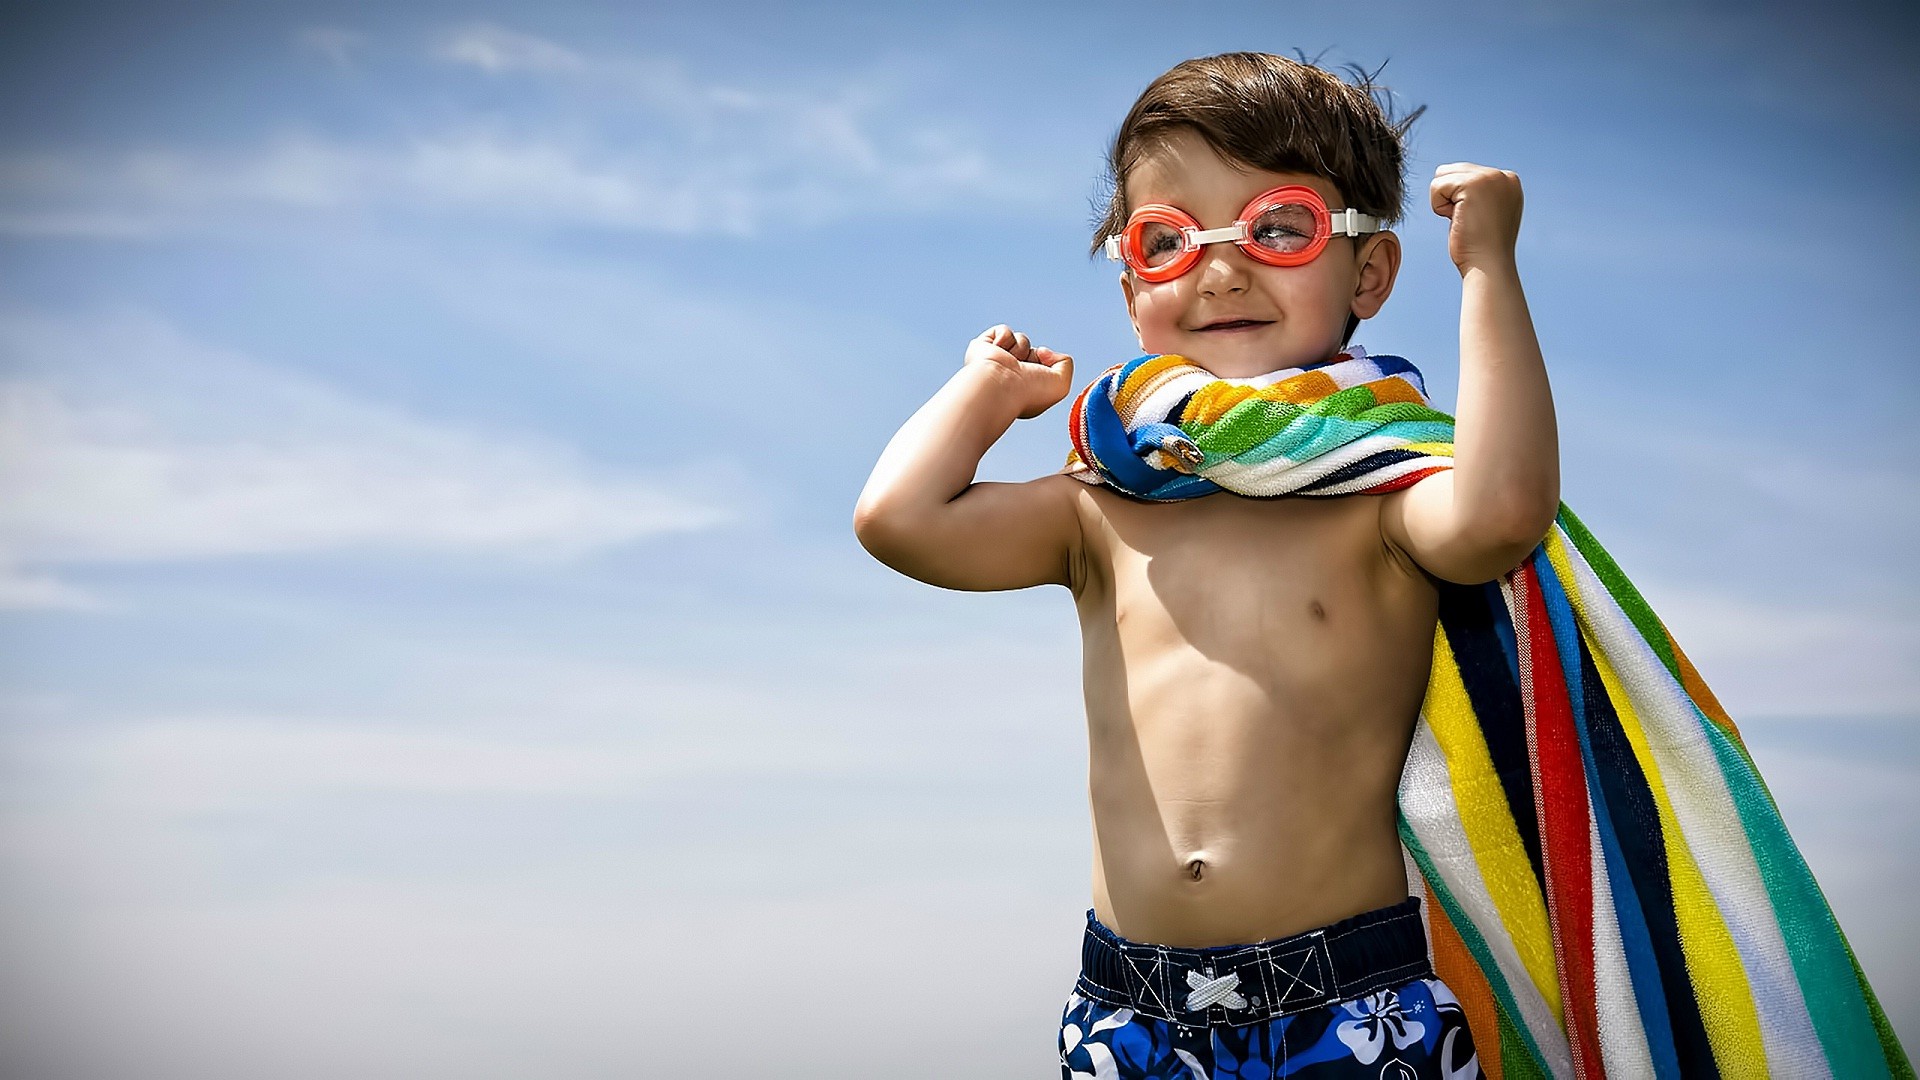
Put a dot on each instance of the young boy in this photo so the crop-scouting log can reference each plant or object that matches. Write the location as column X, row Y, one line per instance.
column 1255, row 664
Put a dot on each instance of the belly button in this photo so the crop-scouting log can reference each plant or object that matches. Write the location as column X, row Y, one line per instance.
column 1314, row 608
column 1196, row 868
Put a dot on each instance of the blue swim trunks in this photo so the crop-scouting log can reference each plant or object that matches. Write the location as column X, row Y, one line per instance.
column 1354, row 999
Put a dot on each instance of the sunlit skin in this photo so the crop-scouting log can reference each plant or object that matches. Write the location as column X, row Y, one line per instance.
column 1252, row 667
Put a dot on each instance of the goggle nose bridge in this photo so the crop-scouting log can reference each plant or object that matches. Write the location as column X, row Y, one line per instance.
column 1235, row 232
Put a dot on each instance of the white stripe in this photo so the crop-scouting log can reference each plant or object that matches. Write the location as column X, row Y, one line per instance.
column 1623, row 1035
column 1281, row 475
column 1381, row 475
column 1426, row 800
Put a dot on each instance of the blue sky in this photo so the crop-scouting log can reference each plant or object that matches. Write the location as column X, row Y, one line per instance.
column 435, row 641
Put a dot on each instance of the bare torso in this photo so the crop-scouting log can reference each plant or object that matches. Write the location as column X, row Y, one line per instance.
column 1253, row 670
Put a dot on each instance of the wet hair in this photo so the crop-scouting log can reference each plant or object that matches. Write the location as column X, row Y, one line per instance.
column 1274, row 114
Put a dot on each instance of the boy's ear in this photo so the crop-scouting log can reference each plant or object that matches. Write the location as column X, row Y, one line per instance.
column 1126, row 287
column 1379, row 264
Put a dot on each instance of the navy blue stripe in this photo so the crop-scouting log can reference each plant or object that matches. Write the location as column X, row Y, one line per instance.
column 1468, row 614
column 1636, row 824
column 1360, row 468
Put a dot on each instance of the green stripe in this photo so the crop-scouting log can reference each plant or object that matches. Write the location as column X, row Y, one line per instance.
column 1897, row 1063
column 1515, row 1060
column 1620, row 588
column 1815, row 944
column 1509, row 1012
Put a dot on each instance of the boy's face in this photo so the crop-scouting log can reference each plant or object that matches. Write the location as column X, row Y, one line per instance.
column 1230, row 314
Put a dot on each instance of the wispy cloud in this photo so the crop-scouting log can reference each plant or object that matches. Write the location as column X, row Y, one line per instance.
column 1768, row 657
column 337, row 44
column 645, row 148
column 185, row 766
column 494, row 49
column 125, row 441
column 1781, row 573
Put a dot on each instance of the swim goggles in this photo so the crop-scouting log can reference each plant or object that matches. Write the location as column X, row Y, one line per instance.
column 1286, row 226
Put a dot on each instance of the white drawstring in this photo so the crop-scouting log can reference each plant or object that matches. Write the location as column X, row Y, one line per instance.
column 1207, row 991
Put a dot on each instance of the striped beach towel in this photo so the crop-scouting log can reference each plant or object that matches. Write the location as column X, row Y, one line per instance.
column 1610, row 889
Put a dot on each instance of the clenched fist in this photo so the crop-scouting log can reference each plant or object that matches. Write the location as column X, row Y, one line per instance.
column 1484, row 206
column 1037, row 376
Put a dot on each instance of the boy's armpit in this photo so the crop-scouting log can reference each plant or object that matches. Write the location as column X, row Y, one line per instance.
column 992, row 536
column 1422, row 521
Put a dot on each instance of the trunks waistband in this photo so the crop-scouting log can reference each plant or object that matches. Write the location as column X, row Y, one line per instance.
column 1231, row 985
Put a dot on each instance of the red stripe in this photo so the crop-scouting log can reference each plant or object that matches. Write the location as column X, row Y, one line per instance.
column 1408, row 480
column 1561, row 798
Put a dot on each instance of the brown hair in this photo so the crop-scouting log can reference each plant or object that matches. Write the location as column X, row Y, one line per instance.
column 1275, row 114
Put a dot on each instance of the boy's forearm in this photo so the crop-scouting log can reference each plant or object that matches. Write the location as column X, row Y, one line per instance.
column 934, row 455
column 1506, row 444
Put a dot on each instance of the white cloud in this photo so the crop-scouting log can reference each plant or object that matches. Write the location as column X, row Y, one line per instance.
column 501, row 823
column 27, row 590
column 637, row 145
column 1783, row 575
column 179, row 767
column 336, row 44
column 125, row 441
column 1766, row 658
column 494, row 50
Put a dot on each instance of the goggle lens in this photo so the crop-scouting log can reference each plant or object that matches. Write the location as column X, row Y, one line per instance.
column 1160, row 243
column 1285, row 229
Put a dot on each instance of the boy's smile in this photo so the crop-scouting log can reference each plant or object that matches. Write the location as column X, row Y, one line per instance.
column 1232, row 314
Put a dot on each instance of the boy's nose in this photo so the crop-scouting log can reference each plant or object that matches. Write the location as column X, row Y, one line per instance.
column 1222, row 269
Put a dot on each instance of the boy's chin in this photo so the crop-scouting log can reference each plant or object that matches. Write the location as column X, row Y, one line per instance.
column 1245, row 359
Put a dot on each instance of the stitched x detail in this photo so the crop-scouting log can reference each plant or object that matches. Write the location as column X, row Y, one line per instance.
column 1297, row 976
column 1207, row 991
column 1150, row 982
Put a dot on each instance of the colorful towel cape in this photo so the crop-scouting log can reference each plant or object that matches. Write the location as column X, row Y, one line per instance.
column 1610, row 888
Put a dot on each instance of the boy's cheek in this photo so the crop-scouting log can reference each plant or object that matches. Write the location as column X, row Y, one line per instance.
column 1155, row 315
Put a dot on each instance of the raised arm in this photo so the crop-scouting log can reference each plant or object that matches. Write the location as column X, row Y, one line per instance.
column 922, row 514
column 1477, row 520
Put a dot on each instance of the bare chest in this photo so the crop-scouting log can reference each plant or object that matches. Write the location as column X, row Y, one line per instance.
column 1250, row 580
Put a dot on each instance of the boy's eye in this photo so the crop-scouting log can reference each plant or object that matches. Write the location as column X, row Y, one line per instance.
column 1159, row 243
column 1284, row 228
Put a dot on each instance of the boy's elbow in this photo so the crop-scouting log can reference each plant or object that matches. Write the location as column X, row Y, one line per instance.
column 873, row 527
column 886, row 535
column 1500, row 543
column 1526, row 520
column 1508, row 546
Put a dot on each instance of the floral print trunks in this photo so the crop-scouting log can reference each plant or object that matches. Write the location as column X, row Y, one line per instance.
column 1357, row 998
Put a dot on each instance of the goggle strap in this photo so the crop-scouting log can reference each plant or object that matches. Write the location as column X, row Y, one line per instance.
column 1352, row 222
column 1113, row 248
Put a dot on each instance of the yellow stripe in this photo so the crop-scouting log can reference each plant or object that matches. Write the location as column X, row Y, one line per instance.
column 1431, row 449
column 1211, row 402
column 1489, row 827
column 1713, row 961
column 1216, row 399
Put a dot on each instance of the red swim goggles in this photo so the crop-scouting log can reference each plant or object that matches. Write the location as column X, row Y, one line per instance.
column 1286, row 226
